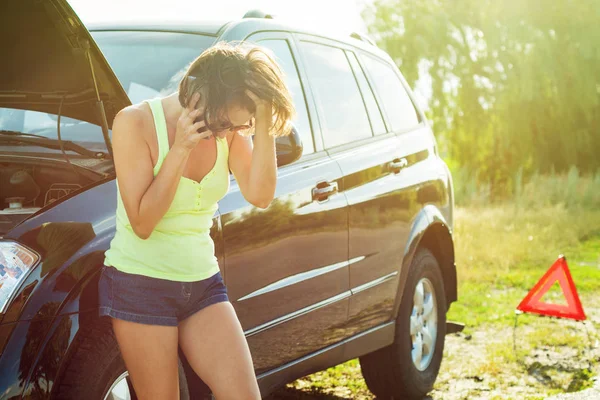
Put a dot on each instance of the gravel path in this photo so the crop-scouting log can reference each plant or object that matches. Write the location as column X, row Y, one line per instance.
column 588, row 394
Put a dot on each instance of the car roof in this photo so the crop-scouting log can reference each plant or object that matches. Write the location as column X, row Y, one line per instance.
column 242, row 27
column 200, row 27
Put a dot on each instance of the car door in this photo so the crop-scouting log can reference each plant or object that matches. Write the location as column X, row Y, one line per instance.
column 383, row 182
column 359, row 139
column 286, row 266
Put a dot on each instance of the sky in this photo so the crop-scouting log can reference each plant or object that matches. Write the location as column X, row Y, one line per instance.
column 335, row 16
column 341, row 16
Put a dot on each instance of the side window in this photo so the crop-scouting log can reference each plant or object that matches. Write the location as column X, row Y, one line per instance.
column 396, row 102
column 342, row 111
column 374, row 112
column 281, row 50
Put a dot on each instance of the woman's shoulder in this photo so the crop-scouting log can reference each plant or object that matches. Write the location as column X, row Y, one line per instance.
column 134, row 120
column 134, row 114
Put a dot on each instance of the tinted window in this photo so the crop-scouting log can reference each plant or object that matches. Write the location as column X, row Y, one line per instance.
column 150, row 64
column 285, row 59
column 374, row 113
column 341, row 108
column 396, row 102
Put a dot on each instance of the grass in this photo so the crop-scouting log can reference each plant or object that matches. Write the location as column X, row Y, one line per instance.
column 502, row 250
column 571, row 189
column 500, row 260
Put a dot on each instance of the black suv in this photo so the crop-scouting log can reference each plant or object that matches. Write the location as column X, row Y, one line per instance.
column 354, row 257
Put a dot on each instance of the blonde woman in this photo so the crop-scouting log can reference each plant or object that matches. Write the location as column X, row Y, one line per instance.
column 161, row 283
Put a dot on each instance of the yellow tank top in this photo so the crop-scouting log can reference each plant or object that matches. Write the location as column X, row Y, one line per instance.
column 180, row 247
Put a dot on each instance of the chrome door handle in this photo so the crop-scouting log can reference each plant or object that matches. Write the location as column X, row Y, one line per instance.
column 323, row 190
column 397, row 164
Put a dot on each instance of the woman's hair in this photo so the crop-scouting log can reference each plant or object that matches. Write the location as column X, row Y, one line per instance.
column 222, row 74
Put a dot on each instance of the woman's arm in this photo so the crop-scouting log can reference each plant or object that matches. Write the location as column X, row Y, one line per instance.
column 255, row 165
column 147, row 198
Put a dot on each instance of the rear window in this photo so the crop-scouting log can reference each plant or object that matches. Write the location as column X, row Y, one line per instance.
column 396, row 102
column 374, row 113
column 341, row 107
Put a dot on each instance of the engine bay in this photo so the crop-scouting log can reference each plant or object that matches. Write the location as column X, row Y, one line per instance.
column 27, row 187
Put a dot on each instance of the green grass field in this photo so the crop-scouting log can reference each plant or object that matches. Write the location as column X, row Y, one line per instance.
column 501, row 252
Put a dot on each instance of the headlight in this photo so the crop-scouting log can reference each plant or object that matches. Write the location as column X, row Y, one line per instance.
column 15, row 262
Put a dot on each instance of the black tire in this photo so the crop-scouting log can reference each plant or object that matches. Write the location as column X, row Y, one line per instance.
column 95, row 365
column 390, row 372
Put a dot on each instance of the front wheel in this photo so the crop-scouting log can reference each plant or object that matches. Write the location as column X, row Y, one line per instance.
column 408, row 368
column 96, row 370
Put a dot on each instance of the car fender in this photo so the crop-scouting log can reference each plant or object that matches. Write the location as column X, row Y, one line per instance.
column 428, row 220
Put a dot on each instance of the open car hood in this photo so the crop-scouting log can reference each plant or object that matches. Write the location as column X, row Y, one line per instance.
column 49, row 57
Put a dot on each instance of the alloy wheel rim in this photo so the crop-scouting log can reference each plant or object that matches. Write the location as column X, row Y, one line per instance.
column 423, row 324
column 119, row 390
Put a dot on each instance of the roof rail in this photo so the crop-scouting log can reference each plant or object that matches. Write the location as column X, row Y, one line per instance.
column 363, row 37
column 258, row 14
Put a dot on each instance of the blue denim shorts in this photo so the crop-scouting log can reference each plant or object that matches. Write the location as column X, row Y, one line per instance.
column 154, row 301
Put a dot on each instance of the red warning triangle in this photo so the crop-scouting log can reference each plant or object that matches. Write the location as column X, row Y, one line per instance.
column 558, row 272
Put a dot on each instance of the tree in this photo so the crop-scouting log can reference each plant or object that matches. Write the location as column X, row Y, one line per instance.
column 515, row 84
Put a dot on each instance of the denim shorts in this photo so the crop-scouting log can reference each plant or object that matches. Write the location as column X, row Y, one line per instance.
column 154, row 301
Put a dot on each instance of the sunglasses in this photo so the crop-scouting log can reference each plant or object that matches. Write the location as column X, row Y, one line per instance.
column 218, row 127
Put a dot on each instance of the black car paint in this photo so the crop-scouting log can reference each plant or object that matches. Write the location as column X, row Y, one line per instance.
column 59, row 296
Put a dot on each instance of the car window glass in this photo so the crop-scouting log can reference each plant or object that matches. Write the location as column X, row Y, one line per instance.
column 150, row 64
column 374, row 113
column 341, row 108
column 283, row 54
column 396, row 102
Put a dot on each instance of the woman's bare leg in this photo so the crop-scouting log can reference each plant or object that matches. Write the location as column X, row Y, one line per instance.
column 215, row 346
column 150, row 354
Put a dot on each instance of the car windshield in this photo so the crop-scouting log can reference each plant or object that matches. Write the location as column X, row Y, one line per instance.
column 148, row 64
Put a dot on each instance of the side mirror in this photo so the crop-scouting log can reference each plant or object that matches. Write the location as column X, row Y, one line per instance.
column 289, row 148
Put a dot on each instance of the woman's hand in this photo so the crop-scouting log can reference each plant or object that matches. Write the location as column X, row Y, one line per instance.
column 263, row 114
column 186, row 135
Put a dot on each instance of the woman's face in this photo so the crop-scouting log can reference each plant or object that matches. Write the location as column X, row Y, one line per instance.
column 239, row 119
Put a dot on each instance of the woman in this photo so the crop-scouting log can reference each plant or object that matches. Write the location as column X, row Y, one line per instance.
column 161, row 283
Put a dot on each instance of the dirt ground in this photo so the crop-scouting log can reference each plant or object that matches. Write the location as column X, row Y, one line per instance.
column 503, row 364
column 498, row 265
column 540, row 359
column 592, row 393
